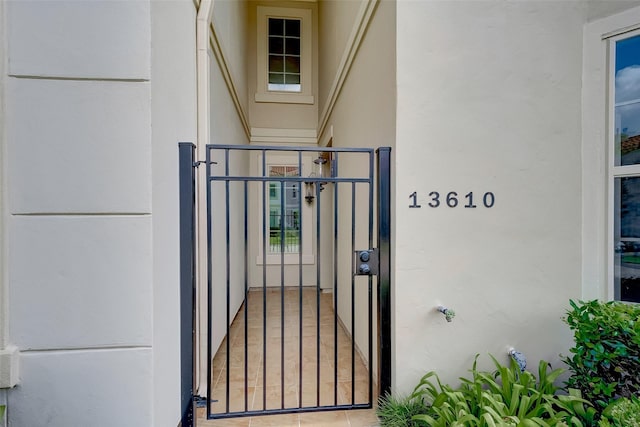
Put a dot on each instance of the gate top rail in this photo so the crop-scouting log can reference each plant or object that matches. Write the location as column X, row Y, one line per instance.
column 288, row 148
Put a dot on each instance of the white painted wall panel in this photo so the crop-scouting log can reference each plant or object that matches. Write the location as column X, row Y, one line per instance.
column 101, row 388
column 78, row 146
column 174, row 119
column 78, row 282
column 79, row 39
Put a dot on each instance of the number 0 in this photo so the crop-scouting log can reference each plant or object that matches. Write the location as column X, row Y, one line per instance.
column 488, row 199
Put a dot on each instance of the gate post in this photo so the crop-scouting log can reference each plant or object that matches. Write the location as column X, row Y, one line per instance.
column 186, row 173
column 384, row 277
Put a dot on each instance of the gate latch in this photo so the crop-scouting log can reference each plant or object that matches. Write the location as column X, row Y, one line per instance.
column 367, row 261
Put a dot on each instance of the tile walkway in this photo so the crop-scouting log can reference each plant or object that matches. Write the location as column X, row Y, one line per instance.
column 297, row 384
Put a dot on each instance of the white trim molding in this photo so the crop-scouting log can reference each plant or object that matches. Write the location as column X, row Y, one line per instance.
column 361, row 24
column 9, row 367
column 305, row 96
column 214, row 42
column 293, row 136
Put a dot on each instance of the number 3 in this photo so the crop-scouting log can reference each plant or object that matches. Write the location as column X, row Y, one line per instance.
column 435, row 199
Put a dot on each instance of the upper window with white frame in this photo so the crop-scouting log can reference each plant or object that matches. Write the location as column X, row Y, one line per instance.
column 624, row 163
column 284, row 62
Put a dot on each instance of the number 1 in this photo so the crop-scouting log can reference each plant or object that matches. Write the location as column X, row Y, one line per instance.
column 415, row 204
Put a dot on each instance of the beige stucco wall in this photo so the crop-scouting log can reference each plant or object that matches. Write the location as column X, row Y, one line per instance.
column 489, row 99
column 280, row 115
column 363, row 116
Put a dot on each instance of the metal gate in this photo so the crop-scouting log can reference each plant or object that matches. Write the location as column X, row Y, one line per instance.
column 294, row 279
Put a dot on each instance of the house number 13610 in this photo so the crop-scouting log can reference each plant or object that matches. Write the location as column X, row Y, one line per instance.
column 452, row 200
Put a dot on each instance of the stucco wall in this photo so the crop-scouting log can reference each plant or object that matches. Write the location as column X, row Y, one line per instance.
column 92, row 208
column 226, row 127
column 363, row 116
column 489, row 99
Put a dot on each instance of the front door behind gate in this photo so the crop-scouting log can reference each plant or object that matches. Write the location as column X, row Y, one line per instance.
column 294, row 280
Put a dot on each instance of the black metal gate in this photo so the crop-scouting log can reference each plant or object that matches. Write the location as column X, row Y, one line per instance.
column 292, row 272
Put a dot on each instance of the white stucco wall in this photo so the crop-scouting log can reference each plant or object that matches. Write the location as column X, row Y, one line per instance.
column 92, row 221
column 489, row 99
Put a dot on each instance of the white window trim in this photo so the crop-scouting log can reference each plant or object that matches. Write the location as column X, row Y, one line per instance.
column 597, row 193
column 306, row 214
column 305, row 96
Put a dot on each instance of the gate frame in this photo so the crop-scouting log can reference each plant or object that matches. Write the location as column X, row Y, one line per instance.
column 187, row 202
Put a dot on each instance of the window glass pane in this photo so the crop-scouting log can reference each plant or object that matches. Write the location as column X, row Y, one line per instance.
column 276, row 45
column 627, row 102
column 292, row 28
column 292, row 64
column 627, row 134
column 627, row 238
column 292, row 79
column 627, row 71
column 292, row 46
column 276, row 64
column 276, row 26
column 284, row 211
column 276, row 78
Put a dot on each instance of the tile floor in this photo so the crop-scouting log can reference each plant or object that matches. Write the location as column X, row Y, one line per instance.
column 316, row 357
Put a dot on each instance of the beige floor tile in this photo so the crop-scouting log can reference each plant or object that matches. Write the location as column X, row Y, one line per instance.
column 294, row 394
column 286, row 420
column 363, row 418
column 324, row 419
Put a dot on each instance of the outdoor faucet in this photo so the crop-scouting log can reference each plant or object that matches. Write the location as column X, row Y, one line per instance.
column 519, row 358
column 448, row 313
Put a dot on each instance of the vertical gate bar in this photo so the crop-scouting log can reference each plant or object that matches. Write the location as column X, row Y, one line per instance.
column 370, row 284
column 264, row 281
column 318, row 236
column 353, row 294
column 335, row 290
column 283, row 225
column 384, row 278
column 300, row 279
column 186, row 171
column 228, row 264
column 246, row 295
column 209, row 279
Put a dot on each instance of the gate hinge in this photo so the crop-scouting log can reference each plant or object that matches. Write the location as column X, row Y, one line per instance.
column 201, row 402
column 366, row 262
column 199, row 162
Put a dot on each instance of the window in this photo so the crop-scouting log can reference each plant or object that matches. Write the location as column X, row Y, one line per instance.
column 284, row 211
column 287, row 236
column 624, row 176
column 284, row 54
column 285, row 50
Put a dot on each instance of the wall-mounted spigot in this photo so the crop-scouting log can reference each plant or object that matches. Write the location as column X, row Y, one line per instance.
column 448, row 313
column 519, row 358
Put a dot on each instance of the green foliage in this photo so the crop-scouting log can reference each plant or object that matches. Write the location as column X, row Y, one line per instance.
column 398, row 411
column 505, row 397
column 605, row 361
column 623, row 412
column 2, row 409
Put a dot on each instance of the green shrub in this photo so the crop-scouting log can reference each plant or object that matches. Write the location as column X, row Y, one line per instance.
column 505, row 397
column 605, row 361
column 398, row 411
column 2, row 408
column 623, row 412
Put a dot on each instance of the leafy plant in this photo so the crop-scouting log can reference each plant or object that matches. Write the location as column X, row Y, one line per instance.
column 623, row 412
column 505, row 397
column 397, row 411
column 606, row 355
column 2, row 409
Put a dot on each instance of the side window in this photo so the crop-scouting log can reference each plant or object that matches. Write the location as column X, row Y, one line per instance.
column 284, row 211
column 624, row 164
column 284, row 55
